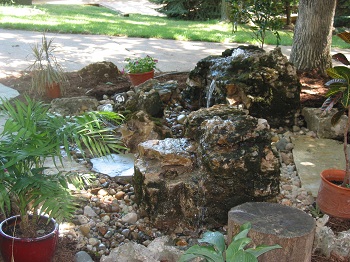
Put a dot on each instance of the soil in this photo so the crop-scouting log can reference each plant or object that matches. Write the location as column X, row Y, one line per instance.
column 312, row 95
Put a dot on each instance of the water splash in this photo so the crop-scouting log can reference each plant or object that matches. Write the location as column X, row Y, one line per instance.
column 210, row 91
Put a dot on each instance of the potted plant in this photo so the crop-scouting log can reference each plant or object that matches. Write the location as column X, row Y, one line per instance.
column 140, row 70
column 334, row 192
column 48, row 77
column 31, row 135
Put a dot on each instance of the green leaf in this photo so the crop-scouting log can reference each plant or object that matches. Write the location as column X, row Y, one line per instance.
column 261, row 249
column 237, row 245
column 207, row 252
column 215, row 238
column 242, row 256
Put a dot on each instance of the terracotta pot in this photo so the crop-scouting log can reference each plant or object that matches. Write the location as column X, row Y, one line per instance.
column 333, row 199
column 53, row 90
column 40, row 249
column 137, row 79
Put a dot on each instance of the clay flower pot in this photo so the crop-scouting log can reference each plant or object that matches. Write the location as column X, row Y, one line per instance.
column 139, row 78
column 333, row 199
column 53, row 90
column 40, row 249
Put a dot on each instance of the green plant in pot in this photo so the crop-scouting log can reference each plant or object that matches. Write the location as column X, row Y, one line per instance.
column 32, row 135
column 334, row 192
column 48, row 76
column 140, row 69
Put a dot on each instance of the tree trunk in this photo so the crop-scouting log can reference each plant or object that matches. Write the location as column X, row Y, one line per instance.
column 225, row 9
column 313, row 35
column 288, row 12
column 272, row 224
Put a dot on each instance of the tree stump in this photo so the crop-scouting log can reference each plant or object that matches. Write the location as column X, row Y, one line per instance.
column 272, row 223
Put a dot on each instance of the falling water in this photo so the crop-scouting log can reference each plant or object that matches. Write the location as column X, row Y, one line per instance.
column 210, row 91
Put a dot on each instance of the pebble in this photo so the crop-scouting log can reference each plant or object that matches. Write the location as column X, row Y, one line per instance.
column 130, row 218
column 88, row 211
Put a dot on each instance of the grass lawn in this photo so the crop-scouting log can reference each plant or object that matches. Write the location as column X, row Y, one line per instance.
column 86, row 19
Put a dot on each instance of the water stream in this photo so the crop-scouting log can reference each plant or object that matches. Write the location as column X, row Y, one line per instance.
column 210, row 91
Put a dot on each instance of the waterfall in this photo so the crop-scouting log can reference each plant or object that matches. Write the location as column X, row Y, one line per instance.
column 210, row 91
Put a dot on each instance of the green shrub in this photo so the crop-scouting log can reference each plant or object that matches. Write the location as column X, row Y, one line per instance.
column 262, row 15
column 190, row 10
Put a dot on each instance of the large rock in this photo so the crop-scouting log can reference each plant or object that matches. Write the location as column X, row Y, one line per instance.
column 158, row 250
column 321, row 123
column 139, row 128
column 227, row 161
column 264, row 83
column 73, row 105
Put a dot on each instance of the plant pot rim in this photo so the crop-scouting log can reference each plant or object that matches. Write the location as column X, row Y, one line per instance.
column 140, row 73
column 335, row 175
column 28, row 239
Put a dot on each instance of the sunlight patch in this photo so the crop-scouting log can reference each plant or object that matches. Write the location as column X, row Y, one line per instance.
column 22, row 11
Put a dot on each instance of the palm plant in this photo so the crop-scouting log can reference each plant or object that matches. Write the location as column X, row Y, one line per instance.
column 31, row 135
column 45, row 70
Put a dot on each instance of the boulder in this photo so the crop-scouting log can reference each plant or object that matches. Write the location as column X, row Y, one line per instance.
column 264, row 83
column 226, row 160
column 73, row 105
column 321, row 124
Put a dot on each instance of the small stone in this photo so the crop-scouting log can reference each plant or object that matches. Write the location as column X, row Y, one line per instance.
column 130, row 218
column 181, row 118
column 85, row 230
column 105, row 219
column 82, row 256
column 102, row 230
column 109, row 234
column 120, row 195
column 181, row 243
column 88, row 211
column 93, row 241
column 125, row 232
column 102, row 246
column 102, row 192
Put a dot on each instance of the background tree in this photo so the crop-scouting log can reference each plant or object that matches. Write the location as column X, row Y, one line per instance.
column 262, row 15
column 313, row 35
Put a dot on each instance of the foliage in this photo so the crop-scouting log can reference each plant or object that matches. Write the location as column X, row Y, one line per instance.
column 140, row 65
column 212, row 248
column 45, row 69
column 262, row 16
column 31, row 135
column 343, row 8
column 340, row 92
column 190, row 10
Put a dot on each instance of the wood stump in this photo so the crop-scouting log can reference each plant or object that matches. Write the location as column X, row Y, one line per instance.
column 272, row 223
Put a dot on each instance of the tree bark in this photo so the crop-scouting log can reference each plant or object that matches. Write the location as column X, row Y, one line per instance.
column 225, row 10
column 272, row 224
column 313, row 35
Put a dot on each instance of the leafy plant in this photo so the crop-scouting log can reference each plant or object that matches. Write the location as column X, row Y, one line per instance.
column 31, row 135
column 45, row 69
column 212, row 248
column 262, row 16
column 340, row 92
column 140, row 65
column 190, row 10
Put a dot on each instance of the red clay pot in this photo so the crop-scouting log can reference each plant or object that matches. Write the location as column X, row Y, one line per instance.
column 53, row 90
column 137, row 79
column 332, row 199
column 41, row 249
